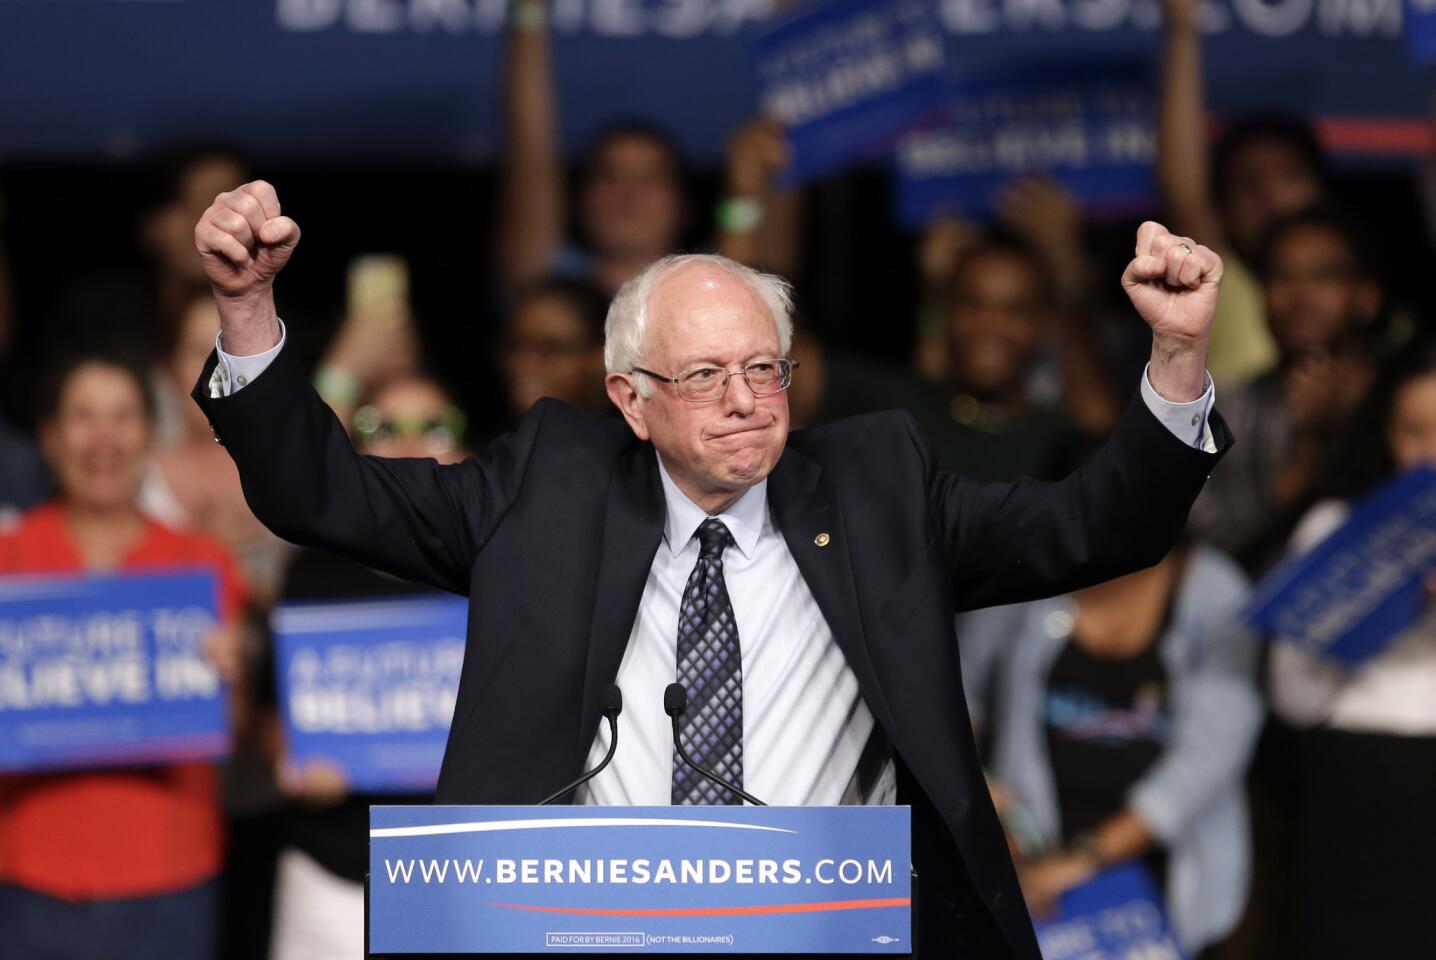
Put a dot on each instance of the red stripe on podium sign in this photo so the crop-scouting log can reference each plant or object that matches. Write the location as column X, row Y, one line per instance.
column 771, row 908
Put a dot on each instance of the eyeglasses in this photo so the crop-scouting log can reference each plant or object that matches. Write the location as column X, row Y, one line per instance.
column 440, row 434
column 764, row 378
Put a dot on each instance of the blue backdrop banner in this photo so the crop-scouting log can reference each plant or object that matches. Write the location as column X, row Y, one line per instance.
column 1117, row 915
column 370, row 687
column 108, row 670
column 1349, row 596
column 1089, row 126
column 803, row 880
column 353, row 80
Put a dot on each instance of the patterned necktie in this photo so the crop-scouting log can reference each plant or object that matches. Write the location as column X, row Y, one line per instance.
column 710, row 667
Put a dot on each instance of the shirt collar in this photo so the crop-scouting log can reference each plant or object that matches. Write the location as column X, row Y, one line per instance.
column 743, row 519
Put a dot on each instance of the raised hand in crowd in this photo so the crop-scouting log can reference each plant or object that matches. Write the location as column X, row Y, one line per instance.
column 222, row 647
column 944, row 242
column 759, row 222
column 377, row 341
column 532, row 210
column 1047, row 217
column 629, row 204
column 1183, row 164
column 314, row 783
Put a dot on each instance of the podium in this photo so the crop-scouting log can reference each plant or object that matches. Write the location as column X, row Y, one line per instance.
column 484, row 881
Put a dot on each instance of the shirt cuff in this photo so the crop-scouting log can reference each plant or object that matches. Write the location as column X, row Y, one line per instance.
column 232, row 374
column 1187, row 421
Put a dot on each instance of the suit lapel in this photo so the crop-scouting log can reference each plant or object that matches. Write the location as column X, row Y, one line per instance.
column 632, row 529
column 809, row 515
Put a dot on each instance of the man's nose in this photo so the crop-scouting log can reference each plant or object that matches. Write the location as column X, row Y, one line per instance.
column 739, row 397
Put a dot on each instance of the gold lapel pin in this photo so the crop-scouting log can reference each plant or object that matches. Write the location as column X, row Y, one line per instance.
column 823, row 539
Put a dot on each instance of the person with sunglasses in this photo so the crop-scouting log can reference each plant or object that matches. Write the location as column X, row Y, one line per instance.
column 324, row 830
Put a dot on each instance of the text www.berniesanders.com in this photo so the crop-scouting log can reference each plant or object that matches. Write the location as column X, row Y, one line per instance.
column 652, row 872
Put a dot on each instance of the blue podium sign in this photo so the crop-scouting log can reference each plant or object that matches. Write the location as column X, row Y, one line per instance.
column 847, row 77
column 735, row 880
column 1349, row 596
column 108, row 670
column 1089, row 126
column 1116, row 915
column 370, row 686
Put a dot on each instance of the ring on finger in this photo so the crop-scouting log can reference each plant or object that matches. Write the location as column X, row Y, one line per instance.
column 1187, row 247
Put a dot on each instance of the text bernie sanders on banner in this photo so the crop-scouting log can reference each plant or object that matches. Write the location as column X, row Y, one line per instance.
column 802, row 880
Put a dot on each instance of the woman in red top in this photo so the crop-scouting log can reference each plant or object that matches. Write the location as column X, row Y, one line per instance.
column 122, row 862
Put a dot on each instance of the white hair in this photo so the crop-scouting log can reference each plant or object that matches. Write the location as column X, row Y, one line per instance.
column 627, row 323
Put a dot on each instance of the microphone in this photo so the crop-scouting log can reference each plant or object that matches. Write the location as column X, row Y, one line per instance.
column 612, row 700
column 675, row 704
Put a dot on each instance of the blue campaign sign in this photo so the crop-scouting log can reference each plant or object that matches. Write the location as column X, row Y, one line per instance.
column 736, row 880
column 1089, row 126
column 108, row 670
column 370, row 686
column 1116, row 915
column 1349, row 596
column 846, row 78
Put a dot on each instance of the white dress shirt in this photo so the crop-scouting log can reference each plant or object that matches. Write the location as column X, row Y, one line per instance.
column 804, row 723
column 805, row 726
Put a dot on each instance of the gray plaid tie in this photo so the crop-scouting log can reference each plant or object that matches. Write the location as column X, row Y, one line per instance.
column 710, row 667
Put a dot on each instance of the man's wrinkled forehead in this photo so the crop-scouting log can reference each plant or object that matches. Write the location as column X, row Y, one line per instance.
column 701, row 311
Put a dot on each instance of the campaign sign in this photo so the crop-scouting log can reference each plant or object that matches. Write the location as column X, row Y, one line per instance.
column 846, row 78
column 370, row 686
column 1116, row 915
column 1349, row 596
column 825, row 880
column 104, row 670
column 1421, row 29
column 1088, row 126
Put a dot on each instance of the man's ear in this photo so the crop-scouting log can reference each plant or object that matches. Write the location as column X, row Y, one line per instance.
column 625, row 397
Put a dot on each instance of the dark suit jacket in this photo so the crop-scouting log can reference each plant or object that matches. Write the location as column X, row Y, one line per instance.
column 552, row 530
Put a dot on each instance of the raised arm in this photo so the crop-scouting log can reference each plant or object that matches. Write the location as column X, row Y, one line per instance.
column 1010, row 542
column 302, row 478
column 1183, row 168
column 759, row 223
column 531, row 208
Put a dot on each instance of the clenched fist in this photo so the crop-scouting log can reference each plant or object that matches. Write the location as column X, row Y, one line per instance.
column 243, row 240
column 1173, row 283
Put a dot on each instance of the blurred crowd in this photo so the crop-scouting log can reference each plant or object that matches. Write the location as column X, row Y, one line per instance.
column 1280, row 802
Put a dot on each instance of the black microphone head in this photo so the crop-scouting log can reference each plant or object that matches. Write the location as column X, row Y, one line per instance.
column 612, row 700
column 675, row 700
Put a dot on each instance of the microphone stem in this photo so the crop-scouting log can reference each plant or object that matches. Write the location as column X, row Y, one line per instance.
column 713, row 777
column 612, row 749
